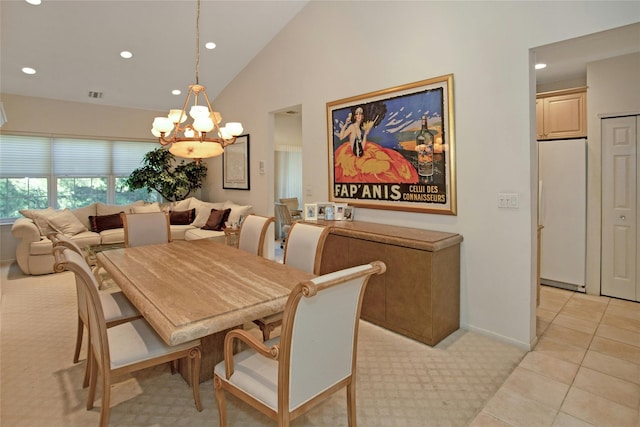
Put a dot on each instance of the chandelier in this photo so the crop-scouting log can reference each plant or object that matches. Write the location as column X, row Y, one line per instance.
column 203, row 137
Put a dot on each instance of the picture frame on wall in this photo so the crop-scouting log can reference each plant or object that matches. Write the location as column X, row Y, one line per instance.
column 310, row 212
column 381, row 156
column 235, row 165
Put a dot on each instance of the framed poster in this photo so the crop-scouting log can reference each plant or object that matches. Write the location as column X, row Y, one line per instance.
column 235, row 164
column 394, row 148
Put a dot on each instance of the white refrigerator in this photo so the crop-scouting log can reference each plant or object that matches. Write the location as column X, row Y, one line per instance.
column 562, row 204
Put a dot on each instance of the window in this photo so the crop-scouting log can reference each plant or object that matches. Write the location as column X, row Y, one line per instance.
column 36, row 172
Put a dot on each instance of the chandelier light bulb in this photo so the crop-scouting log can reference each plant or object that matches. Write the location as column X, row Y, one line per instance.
column 215, row 116
column 224, row 133
column 234, row 128
column 175, row 116
column 198, row 111
column 189, row 133
column 162, row 124
column 155, row 133
column 203, row 124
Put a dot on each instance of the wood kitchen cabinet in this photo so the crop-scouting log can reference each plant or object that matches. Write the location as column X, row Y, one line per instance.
column 561, row 114
column 419, row 294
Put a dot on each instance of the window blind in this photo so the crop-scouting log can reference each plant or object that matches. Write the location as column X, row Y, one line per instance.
column 22, row 156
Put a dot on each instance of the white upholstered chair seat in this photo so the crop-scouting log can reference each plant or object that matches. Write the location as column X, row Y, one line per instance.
column 136, row 341
column 255, row 374
column 117, row 307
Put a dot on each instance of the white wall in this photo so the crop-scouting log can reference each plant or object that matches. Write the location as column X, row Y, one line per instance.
column 614, row 88
column 333, row 50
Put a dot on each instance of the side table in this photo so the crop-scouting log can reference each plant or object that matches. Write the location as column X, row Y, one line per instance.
column 231, row 236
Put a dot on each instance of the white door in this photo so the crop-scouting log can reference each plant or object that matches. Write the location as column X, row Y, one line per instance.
column 620, row 182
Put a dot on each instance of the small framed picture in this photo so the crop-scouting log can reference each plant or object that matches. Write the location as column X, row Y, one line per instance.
column 339, row 211
column 329, row 213
column 349, row 211
column 322, row 210
column 310, row 212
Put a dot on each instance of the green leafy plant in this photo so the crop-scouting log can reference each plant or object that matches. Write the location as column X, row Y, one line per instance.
column 162, row 173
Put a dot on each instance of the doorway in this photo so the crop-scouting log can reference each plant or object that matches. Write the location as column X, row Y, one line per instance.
column 287, row 156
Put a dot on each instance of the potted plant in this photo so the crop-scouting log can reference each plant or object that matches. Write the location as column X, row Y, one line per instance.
column 172, row 180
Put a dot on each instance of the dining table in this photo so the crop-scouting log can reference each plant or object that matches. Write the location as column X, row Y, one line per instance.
column 200, row 289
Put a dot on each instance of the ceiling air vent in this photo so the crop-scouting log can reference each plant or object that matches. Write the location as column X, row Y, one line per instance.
column 95, row 95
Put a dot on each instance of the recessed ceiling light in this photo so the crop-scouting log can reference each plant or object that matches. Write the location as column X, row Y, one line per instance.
column 34, row 2
column 540, row 66
column 176, row 92
column 28, row 70
column 210, row 45
column 126, row 54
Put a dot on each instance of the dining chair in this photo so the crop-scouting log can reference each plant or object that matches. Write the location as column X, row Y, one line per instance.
column 283, row 218
column 293, row 205
column 124, row 348
column 147, row 228
column 116, row 307
column 303, row 251
column 314, row 357
column 253, row 232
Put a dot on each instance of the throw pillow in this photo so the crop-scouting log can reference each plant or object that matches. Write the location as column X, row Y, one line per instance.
column 182, row 217
column 105, row 222
column 217, row 219
column 40, row 219
column 83, row 214
column 203, row 210
column 185, row 204
column 237, row 211
column 66, row 223
column 149, row 207
column 104, row 209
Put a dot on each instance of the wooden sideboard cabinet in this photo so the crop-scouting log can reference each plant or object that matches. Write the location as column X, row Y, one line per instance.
column 419, row 295
column 561, row 114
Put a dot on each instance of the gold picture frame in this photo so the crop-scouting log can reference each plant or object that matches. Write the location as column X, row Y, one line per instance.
column 377, row 157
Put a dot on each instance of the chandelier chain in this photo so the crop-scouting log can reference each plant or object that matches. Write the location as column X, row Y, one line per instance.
column 198, row 44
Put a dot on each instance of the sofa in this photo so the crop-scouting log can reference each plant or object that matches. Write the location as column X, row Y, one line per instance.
column 100, row 223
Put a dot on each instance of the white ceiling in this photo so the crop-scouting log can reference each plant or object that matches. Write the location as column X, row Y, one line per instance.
column 75, row 44
column 75, row 47
column 567, row 60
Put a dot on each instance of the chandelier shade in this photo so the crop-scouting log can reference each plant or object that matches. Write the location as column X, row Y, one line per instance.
column 203, row 137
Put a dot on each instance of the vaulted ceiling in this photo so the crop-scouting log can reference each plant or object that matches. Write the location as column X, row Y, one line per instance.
column 75, row 47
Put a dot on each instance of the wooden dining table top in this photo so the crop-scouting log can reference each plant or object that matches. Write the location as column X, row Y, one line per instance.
column 191, row 289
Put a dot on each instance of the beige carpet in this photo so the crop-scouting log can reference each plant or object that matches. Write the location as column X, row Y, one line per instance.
column 400, row 381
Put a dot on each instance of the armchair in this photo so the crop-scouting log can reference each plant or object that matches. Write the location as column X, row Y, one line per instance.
column 314, row 357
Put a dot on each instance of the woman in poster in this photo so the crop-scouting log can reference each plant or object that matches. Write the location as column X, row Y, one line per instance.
column 360, row 160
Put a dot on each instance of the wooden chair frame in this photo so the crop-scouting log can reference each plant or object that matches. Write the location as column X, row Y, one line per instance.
column 144, row 220
column 99, row 350
column 263, row 232
column 270, row 323
column 281, row 352
column 127, row 312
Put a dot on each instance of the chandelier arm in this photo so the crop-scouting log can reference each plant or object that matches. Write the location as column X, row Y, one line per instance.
column 215, row 122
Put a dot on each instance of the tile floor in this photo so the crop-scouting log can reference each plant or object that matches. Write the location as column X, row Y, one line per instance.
column 584, row 371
